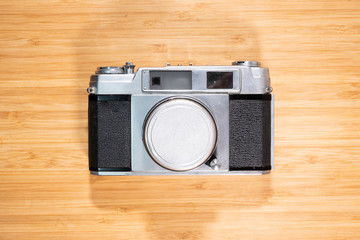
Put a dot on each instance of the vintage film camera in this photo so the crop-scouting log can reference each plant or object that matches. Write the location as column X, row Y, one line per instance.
column 181, row 120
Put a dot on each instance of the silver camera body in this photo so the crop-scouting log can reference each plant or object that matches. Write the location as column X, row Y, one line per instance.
column 181, row 120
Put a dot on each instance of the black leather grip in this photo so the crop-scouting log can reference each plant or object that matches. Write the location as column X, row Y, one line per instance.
column 250, row 132
column 110, row 132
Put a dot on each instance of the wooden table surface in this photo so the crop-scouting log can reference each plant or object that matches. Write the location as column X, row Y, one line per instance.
column 48, row 49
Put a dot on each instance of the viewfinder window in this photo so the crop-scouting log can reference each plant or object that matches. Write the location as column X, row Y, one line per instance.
column 219, row 80
column 170, row 80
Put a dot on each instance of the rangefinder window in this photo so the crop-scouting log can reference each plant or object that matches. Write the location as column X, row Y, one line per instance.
column 155, row 81
column 216, row 80
column 170, row 80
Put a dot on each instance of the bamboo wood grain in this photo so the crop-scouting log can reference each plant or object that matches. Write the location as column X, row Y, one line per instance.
column 48, row 49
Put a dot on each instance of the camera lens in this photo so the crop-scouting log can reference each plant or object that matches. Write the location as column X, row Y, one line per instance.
column 180, row 134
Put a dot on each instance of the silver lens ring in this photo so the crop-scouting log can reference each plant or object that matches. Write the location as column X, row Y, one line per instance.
column 180, row 133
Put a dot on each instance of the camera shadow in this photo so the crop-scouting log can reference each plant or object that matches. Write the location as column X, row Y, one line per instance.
column 171, row 207
column 179, row 207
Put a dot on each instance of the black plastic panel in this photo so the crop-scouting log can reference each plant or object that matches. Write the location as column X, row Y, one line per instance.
column 250, row 132
column 110, row 132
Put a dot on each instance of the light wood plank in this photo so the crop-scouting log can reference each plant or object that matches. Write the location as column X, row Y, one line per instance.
column 48, row 49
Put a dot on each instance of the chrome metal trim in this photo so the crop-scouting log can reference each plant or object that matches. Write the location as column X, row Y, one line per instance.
column 140, row 107
column 247, row 63
column 247, row 80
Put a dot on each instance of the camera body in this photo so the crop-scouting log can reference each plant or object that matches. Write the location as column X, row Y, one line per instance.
column 181, row 120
